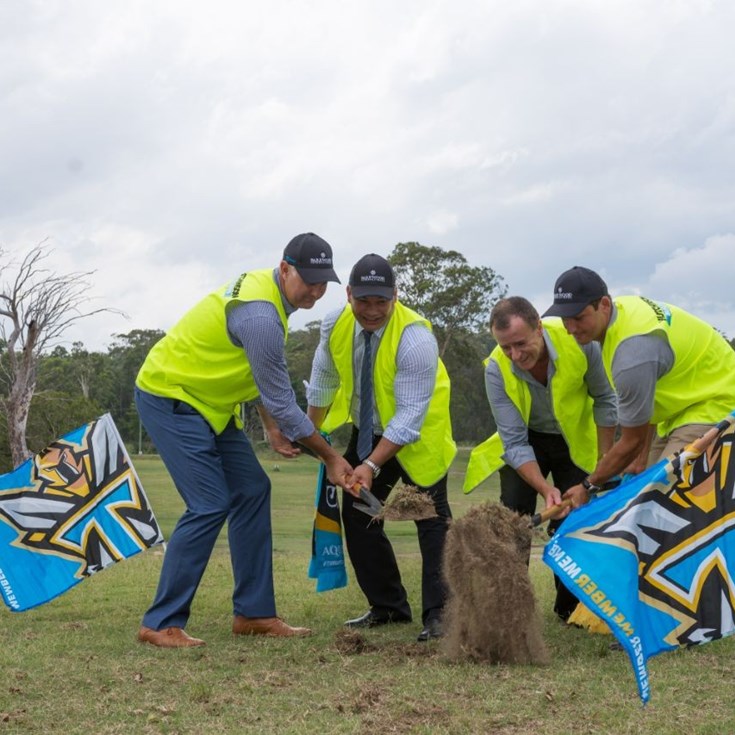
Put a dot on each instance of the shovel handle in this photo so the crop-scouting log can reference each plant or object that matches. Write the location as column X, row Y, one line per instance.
column 549, row 513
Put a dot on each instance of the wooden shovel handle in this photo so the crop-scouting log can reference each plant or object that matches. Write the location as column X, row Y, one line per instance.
column 550, row 513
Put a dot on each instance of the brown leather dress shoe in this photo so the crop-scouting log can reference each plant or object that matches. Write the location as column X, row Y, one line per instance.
column 168, row 638
column 274, row 627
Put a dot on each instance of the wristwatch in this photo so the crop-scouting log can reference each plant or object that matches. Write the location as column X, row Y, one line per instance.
column 375, row 468
column 589, row 487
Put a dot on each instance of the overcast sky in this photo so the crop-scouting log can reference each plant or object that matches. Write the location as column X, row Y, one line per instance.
column 169, row 146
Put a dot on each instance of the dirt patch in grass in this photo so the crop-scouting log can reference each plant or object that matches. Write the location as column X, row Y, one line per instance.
column 415, row 717
column 367, row 697
column 407, row 503
column 404, row 651
column 13, row 717
column 351, row 643
column 491, row 612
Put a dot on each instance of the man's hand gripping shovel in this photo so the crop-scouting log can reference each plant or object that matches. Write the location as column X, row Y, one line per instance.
column 555, row 510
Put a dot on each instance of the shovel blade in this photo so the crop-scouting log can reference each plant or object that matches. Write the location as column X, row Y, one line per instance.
column 370, row 505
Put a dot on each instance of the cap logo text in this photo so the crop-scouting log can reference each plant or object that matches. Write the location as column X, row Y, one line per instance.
column 372, row 277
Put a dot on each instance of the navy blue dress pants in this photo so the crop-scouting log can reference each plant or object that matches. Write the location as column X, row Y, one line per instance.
column 219, row 479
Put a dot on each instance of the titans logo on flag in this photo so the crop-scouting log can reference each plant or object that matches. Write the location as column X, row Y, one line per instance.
column 73, row 509
column 654, row 558
column 683, row 534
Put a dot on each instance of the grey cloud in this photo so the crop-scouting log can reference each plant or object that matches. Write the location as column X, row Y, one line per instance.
column 529, row 136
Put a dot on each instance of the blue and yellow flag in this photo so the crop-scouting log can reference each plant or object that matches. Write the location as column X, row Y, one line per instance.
column 327, row 564
column 70, row 511
column 655, row 558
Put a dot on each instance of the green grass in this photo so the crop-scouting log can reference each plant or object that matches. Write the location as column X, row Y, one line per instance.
column 73, row 665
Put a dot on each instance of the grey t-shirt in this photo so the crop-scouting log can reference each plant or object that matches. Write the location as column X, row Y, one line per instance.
column 638, row 363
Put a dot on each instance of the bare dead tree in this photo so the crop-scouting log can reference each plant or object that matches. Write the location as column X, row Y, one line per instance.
column 36, row 307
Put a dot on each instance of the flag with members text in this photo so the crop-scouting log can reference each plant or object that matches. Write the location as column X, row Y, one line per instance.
column 327, row 564
column 655, row 558
column 68, row 512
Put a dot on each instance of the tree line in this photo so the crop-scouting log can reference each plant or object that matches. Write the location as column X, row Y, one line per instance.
column 49, row 390
column 67, row 387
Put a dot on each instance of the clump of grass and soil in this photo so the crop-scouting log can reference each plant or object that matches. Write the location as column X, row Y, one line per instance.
column 491, row 615
column 407, row 503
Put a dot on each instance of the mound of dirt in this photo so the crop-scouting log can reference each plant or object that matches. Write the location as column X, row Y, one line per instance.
column 407, row 503
column 491, row 612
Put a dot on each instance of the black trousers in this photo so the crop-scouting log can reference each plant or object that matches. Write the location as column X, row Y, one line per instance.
column 552, row 455
column 371, row 552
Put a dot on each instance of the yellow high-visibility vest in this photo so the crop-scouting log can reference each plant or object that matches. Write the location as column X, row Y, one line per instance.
column 700, row 387
column 196, row 362
column 570, row 398
column 426, row 460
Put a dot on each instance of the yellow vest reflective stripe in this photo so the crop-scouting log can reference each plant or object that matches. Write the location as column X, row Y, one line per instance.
column 426, row 460
column 197, row 363
column 570, row 398
column 700, row 387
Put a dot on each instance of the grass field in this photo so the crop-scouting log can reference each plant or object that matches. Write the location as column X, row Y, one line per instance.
column 73, row 666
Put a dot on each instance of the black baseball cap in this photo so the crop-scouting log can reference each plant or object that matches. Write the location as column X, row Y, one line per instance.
column 372, row 276
column 574, row 290
column 312, row 258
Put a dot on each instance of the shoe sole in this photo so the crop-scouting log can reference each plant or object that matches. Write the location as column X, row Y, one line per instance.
column 198, row 644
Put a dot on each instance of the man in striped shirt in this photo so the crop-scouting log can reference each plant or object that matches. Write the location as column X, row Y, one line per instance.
column 377, row 365
column 229, row 349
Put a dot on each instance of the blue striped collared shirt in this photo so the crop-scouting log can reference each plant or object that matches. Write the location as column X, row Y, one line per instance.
column 417, row 361
column 256, row 327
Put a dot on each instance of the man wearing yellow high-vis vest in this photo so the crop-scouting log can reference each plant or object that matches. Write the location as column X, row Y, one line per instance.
column 378, row 366
column 674, row 374
column 227, row 350
column 554, row 410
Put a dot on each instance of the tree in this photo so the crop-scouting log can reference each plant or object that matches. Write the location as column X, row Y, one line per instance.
column 300, row 349
column 127, row 353
column 456, row 298
column 441, row 286
column 472, row 420
column 54, row 414
column 78, row 372
column 36, row 307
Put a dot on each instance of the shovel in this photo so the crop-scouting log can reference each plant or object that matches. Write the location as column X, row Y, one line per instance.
column 549, row 513
column 553, row 512
column 370, row 504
